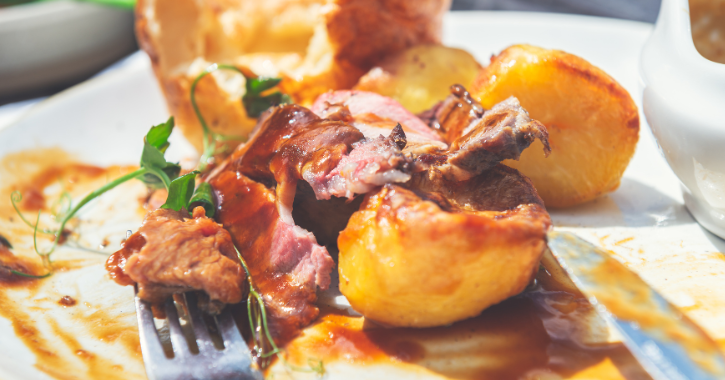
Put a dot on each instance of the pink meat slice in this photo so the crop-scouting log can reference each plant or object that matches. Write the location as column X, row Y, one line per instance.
column 363, row 102
column 372, row 162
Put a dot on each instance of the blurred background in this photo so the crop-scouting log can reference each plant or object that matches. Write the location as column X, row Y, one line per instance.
column 637, row 10
column 47, row 46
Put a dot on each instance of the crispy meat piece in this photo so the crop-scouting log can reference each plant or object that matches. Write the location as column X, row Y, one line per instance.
column 481, row 139
column 451, row 116
column 174, row 253
column 502, row 133
column 499, row 188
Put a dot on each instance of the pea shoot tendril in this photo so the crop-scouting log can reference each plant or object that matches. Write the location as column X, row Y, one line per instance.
column 259, row 96
column 257, row 314
column 154, row 171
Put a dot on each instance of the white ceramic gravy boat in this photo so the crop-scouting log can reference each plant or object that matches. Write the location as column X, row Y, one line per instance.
column 684, row 103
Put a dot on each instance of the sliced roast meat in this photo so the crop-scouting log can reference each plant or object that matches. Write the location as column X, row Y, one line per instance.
column 173, row 253
column 502, row 133
column 371, row 163
column 481, row 139
column 500, row 188
column 285, row 261
column 360, row 103
column 454, row 114
column 375, row 115
column 334, row 157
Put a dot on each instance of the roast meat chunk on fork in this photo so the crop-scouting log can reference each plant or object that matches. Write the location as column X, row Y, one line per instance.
column 173, row 252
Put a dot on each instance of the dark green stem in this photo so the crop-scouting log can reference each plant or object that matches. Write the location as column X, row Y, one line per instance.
column 254, row 298
column 94, row 194
column 30, row 275
column 209, row 137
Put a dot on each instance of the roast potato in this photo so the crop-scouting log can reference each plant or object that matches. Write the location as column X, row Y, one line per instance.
column 405, row 261
column 314, row 45
column 592, row 121
column 421, row 76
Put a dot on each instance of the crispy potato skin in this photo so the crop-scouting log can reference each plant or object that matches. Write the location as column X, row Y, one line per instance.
column 314, row 45
column 406, row 262
column 421, row 76
column 593, row 122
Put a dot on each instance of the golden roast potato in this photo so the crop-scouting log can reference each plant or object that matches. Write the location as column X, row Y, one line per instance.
column 406, row 261
column 421, row 76
column 314, row 45
column 592, row 121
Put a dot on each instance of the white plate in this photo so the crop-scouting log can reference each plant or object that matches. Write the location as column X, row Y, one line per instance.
column 644, row 222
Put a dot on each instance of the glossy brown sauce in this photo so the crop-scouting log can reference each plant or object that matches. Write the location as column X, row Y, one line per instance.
column 96, row 366
column 67, row 301
column 108, row 328
column 510, row 340
column 632, row 300
column 117, row 260
column 48, row 353
column 39, row 316
column 10, row 262
column 707, row 19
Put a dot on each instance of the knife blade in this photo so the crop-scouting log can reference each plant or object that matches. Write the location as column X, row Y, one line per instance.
column 667, row 343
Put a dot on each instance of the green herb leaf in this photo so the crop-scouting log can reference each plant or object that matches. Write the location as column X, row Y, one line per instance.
column 253, row 101
column 180, row 191
column 152, row 157
column 158, row 135
column 5, row 243
column 155, row 182
column 255, row 105
column 204, row 196
column 256, row 86
column 159, row 172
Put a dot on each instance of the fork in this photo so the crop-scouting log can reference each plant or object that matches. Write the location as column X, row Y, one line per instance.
column 232, row 362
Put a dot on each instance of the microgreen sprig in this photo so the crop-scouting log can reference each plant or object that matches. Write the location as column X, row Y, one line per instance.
column 154, row 171
column 255, row 100
column 257, row 314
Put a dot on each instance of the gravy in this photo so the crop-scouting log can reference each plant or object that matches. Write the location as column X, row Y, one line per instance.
column 708, row 28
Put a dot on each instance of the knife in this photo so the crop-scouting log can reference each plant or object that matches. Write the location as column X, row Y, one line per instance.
column 668, row 345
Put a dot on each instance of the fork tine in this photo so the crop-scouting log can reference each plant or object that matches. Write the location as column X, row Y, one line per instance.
column 149, row 337
column 154, row 358
column 176, row 334
column 233, row 340
column 235, row 347
column 234, row 362
column 203, row 340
